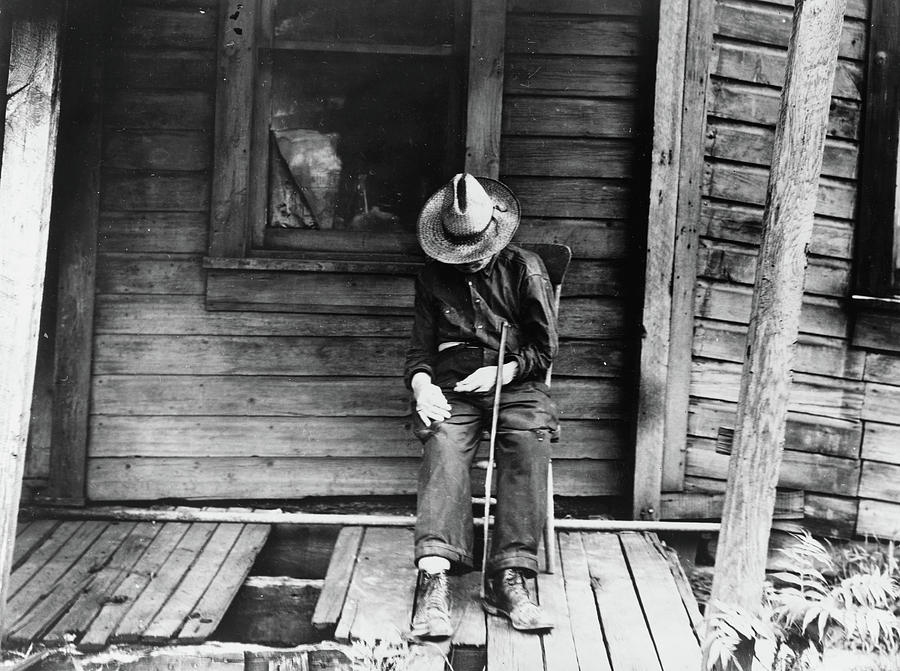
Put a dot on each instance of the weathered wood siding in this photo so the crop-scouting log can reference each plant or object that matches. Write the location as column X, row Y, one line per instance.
column 841, row 391
column 240, row 404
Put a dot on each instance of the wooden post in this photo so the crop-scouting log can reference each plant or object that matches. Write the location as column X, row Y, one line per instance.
column 26, row 183
column 485, row 106
column 665, row 161
column 775, row 317
column 76, row 208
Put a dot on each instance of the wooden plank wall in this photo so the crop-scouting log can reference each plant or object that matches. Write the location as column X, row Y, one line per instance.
column 227, row 404
column 576, row 91
column 832, row 400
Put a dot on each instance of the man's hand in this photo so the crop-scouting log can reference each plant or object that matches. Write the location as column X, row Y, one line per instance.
column 484, row 378
column 431, row 404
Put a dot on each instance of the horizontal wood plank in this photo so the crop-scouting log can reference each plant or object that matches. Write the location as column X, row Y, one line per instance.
column 585, row 76
column 175, row 150
column 881, row 442
column 737, row 263
column 153, row 232
column 809, row 394
column 572, row 35
column 173, row 436
column 812, row 354
column 603, row 7
column 248, row 478
column 878, row 331
column 882, row 403
column 299, row 397
column 803, row 433
column 142, row 191
column 731, row 303
column 747, row 184
column 158, row 110
column 167, row 70
column 588, row 238
column 566, row 157
column 573, row 197
column 767, row 24
column 739, row 222
column 882, row 368
column 766, row 65
column 149, row 274
column 578, row 117
column 166, row 27
column 753, row 144
column 303, row 356
column 857, row 9
column 879, row 518
column 880, row 481
column 799, row 470
column 584, row 318
column 756, row 103
column 828, row 515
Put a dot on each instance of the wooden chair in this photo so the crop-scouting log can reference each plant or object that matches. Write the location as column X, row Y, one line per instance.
column 556, row 260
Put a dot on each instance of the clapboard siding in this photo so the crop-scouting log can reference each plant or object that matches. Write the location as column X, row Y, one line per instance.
column 842, row 444
column 194, row 402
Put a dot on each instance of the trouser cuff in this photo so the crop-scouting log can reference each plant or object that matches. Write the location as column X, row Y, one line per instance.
column 456, row 555
column 527, row 562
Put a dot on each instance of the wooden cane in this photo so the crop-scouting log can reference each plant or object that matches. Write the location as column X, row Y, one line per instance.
column 498, row 385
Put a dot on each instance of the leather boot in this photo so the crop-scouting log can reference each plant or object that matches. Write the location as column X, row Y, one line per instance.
column 432, row 616
column 507, row 595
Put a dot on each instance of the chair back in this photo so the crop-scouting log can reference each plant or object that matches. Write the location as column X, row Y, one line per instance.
column 556, row 259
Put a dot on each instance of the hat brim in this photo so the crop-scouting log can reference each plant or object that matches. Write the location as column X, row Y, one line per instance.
column 497, row 235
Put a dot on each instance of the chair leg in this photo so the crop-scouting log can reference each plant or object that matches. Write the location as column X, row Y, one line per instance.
column 550, row 552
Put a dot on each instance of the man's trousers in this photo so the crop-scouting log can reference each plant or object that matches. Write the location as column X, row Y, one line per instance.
column 527, row 420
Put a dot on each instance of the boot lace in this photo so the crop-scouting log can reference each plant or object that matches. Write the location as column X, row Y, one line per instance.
column 436, row 592
column 517, row 591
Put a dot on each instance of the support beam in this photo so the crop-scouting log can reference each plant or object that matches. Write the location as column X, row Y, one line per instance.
column 485, row 106
column 661, row 223
column 775, row 314
column 76, row 207
column 26, row 184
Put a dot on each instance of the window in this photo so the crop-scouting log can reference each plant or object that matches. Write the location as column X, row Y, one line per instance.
column 335, row 120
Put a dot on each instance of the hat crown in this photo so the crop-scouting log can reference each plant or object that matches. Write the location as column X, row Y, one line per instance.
column 471, row 210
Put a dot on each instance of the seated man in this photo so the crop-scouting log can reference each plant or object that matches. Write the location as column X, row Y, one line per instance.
column 473, row 282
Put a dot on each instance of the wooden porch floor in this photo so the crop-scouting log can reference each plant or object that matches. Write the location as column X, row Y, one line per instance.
column 620, row 601
column 95, row 583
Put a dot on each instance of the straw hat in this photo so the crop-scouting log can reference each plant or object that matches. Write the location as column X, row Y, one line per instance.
column 468, row 219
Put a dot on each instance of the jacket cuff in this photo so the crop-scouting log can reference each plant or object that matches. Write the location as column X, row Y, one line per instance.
column 420, row 368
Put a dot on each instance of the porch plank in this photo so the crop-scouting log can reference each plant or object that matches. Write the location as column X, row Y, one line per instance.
column 587, row 634
column 130, row 589
column 337, row 578
column 630, row 644
column 466, row 612
column 41, row 583
column 62, row 593
column 508, row 648
column 30, row 537
column 668, row 620
column 380, row 598
column 224, row 587
column 559, row 644
column 163, row 585
column 41, row 554
column 172, row 616
column 103, row 585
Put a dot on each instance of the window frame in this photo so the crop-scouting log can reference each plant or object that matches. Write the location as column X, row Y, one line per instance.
column 239, row 183
column 877, row 282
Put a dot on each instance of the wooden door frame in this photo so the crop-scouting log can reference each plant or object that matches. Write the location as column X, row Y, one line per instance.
column 679, row 122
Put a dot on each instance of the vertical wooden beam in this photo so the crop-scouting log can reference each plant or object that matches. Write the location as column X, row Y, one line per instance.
column 76, row 209
column 234, row 112
column 485, row 107
column 26, row 184
column 875, row 244
column 775, row 314
column 5, row 37
column 687, row 240
column 665, row 160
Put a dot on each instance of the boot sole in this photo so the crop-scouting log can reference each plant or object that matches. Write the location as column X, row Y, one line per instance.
column 495, row 610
